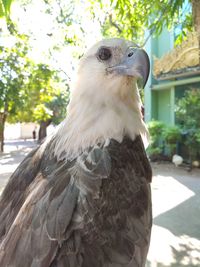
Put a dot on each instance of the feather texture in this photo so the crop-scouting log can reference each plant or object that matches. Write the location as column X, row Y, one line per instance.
column 92, row 211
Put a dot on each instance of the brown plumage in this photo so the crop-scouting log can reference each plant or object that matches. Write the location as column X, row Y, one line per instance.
column 90, row 209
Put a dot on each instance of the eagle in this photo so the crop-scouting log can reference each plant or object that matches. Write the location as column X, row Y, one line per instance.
column 82, row 198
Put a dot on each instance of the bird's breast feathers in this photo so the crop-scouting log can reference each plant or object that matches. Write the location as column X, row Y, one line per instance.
column 91, row 123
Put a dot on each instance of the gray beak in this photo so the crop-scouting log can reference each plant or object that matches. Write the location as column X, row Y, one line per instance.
column 136, row 64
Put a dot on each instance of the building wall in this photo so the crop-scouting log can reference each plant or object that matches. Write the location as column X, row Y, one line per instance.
column 12, row 131
column 165, row 106
column 27, row 130
column 24, row 130
column 20, row 130
column 158, row 104
column 161, row 96
column 163, row 43
column 165, row 96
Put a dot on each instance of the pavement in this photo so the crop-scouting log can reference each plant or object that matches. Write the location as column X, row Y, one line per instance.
column 175, row 237
column 14, row 152
column 175, row 240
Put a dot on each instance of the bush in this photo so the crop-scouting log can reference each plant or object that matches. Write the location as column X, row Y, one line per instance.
column 155, row 149
column 188, row 118
column 172, row 135
column 163, row 140
column 156, row 129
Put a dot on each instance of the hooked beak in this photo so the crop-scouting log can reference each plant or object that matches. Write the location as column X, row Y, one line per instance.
column 135, row 64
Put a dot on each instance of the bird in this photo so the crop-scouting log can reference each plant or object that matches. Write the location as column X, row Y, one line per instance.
column 177, row 160
column 82, row 198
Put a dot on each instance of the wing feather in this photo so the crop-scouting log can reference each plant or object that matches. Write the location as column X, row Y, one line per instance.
column 40, row 206
column 14, row 193
column 52, row 212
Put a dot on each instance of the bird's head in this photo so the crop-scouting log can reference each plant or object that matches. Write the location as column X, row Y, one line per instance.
column 112, row 67
column 105, row 102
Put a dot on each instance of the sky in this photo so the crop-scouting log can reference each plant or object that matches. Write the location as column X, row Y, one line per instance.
column 45, row 33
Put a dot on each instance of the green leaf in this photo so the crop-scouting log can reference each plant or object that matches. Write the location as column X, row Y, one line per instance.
column 5, row 7
column 2, row 9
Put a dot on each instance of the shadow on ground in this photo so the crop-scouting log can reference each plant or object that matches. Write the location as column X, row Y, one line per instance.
column 183, row 219
column 176, row 231
column 184, row 256
column 14, row 157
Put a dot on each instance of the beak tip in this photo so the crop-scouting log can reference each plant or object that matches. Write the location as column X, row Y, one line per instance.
column 142, row 60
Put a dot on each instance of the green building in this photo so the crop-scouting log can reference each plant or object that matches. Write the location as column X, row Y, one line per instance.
column 173, row 71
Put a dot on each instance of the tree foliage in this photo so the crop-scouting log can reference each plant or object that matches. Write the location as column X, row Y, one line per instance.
column 29, row 92
column 5, row 7
column 188, row 109
column 130, row 18
column 41, row 92
column 44, row 98
column 13, row 62
column 123, row 18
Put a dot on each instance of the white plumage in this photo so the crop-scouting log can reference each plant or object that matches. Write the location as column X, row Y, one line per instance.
column 115, row 109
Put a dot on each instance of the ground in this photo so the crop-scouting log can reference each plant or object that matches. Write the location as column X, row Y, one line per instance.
column 176, row 208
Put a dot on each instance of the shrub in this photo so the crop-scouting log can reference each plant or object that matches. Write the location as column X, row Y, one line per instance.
column 156, row 129
column 171, row 135
column 188, row 117
column 163, row 140
column 155, row 148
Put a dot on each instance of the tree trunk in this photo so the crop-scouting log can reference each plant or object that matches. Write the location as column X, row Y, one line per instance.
column 196, row 20
column 2, row 127
column 43, row 129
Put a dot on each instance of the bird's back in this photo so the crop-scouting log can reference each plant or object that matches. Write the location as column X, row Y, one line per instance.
column 92, row 211
column 119, row 234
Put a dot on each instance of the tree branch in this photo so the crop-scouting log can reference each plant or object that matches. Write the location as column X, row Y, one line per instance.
column 114, row 24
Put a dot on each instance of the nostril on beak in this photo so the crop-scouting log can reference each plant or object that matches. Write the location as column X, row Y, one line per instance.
column 130, row 54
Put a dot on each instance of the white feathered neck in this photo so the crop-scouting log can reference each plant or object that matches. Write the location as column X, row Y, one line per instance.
column 104, row 111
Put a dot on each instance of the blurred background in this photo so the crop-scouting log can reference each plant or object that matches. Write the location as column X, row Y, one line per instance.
column 41, row 42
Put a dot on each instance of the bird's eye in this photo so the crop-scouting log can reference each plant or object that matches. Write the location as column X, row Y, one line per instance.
column 104, row 53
